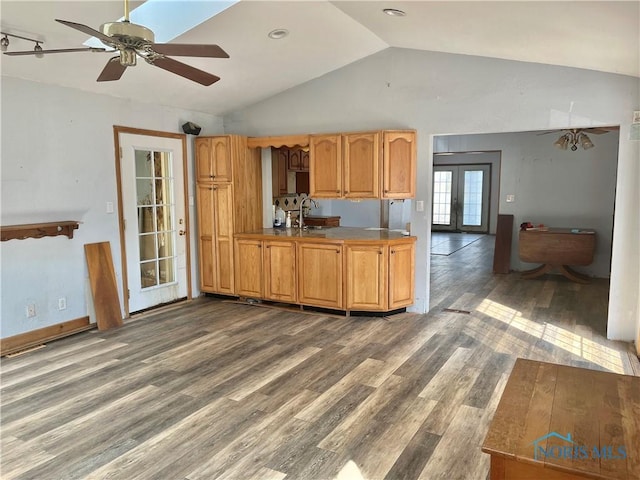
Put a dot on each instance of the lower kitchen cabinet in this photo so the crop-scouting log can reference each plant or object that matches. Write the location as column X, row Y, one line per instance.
column 249, row 268
column 401, row 275
column 366, row 274
column 266, row 269
column 320, row 275
column 280, row 271
column 344, row 273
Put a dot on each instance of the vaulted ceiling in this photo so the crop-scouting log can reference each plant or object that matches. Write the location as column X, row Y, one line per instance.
column 324, row 36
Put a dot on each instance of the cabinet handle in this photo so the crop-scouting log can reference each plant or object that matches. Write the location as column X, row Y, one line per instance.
column 268, row 246
column 337, row 251
column 212, row 176
column 386, row 191
column 259, row 246
column 393, row 251
column 380, row 252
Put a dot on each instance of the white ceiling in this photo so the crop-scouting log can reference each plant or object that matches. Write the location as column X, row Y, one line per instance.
column 324, row 36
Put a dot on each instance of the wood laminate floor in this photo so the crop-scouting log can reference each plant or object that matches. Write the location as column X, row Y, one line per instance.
column 216, row 389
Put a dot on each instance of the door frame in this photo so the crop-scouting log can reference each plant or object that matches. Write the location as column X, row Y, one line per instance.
column 117, row 130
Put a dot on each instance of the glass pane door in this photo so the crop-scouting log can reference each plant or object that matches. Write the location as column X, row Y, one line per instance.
column 156, row 229
column 461, row 198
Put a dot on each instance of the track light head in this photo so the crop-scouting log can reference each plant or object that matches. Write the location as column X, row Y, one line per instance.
column 4, row 43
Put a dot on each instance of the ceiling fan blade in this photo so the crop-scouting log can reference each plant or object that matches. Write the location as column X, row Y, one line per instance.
column 599, row 130
column 59, row 50
column 88, row 30
column 189, row 50
column 184, row 70
column 113, row 70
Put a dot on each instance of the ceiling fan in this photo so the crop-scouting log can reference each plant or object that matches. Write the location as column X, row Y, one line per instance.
column 132, row 41
column 574, row 136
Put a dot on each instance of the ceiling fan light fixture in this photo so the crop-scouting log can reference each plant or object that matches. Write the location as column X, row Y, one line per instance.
column 562, row 143
column 38, row 50
column 585, row 141
column 4, row 42
column 278, row 33
column 394, row 12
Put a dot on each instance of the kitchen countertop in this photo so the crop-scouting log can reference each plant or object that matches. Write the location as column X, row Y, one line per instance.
column 337, row 234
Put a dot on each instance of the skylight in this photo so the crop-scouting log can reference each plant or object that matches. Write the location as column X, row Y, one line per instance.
column 170, row 19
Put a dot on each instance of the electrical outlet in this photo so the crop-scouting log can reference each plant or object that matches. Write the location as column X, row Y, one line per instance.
column 31, row 310
column 62, row 303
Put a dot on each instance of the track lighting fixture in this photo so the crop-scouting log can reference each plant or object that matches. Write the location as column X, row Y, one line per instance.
column 4, row 42
column 573, row 138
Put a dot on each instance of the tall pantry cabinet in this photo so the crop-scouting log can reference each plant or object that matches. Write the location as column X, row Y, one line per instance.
column 229, row 200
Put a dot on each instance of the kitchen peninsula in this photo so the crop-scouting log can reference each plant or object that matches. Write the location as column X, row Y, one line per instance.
column 341, row 268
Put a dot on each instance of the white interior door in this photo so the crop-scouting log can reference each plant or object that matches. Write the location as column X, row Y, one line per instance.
column 153, row 207
column 461, row 198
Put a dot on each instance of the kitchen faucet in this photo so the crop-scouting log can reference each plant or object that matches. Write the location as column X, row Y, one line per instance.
column 311, row 201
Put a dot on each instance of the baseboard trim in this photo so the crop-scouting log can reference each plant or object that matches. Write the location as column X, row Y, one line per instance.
column 46, row 334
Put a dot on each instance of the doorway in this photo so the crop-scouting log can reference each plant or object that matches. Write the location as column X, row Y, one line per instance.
column 461, row 198
column 154, row 219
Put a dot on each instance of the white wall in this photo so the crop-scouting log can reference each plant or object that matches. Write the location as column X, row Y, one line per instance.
column 558, row 188
column 438, row 93
column 58, row 164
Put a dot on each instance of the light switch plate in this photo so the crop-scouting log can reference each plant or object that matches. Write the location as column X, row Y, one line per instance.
column 420, row 206
column 511, row 198
column 109, row 207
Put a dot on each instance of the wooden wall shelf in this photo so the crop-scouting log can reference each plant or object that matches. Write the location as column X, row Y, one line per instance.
column 38, row 230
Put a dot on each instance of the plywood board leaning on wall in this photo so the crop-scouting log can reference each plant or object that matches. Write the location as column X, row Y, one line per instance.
column 104, row 290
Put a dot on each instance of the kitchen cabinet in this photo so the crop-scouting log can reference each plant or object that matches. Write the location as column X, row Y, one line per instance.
column 360, row 164
column 366, row 277
column 266, row 269
column 320, row 274
column 215, row 221
column 248, row 268
column 401, row 275
column 325, row 166
column 213, row 159
column 279, row 169
column 228, row 201
column 280, row 271
column 298, row 160
column 399, row 164
column 341, row 268
column 380, row 164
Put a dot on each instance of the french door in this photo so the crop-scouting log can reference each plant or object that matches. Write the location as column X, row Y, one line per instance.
column 461, row 198
column 153, row 209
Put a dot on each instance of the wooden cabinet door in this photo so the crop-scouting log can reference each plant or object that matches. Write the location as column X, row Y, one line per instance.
column 366, row 277
column 325, row 166
column 320, row 275
column 248, row 268
column 399, row 164
column 304, row 154
column 295, row 159
column 206, row 223
column 213, row 159
column 223, row 242
column 279, row 172
column 280, row 271
column 360, row 163
column 401, row 273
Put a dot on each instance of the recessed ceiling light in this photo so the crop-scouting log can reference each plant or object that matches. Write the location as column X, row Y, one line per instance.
column 278, row 33
column 394, row 12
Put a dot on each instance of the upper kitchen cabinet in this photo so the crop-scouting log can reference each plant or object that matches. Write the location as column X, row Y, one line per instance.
column 399, row 164
column 360, row 165
column 325, row 166
column 214, row 159
column 378, row 164
column 298, row 160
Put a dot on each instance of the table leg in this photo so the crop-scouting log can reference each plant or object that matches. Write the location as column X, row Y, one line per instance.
column 536, row 272
column 573, row 275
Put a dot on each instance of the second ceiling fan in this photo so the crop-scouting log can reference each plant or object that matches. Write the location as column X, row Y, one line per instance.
column 131, row 41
